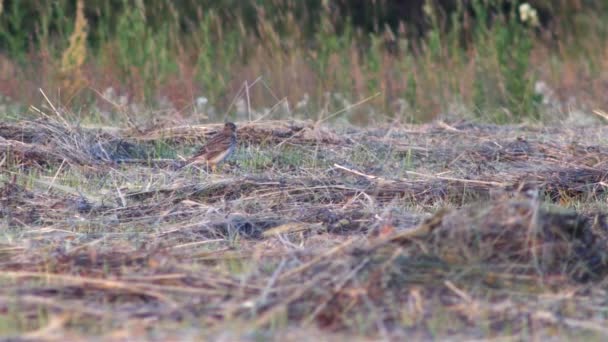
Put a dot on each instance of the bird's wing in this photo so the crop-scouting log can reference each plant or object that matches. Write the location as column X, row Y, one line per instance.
column 217, row 144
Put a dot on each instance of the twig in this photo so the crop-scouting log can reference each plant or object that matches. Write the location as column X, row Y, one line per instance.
column 447, row 127
column 244, row 87
column 336, row 289
column 67, row 126
column 121, row 109
column 271, row 282
column 55, row 176
column 460, row 293
column 460, row 180
column 150, row 290
column 197, row 243
column 318, row 258
column 601, row 114
column 372, row 177
column 248, row 101
column 269, row 111
column 349, row 107
column 265, row 317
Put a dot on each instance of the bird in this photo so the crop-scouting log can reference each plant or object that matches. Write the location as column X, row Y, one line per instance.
column 216, row 149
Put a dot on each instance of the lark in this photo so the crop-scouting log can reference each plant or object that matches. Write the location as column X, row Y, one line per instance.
column 216, row 150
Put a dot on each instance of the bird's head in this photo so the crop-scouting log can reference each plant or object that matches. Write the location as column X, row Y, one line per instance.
column 230, row 127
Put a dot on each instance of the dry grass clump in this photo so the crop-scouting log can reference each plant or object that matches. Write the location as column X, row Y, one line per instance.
column 431, row 231
column 48, row 141
column 523, row 237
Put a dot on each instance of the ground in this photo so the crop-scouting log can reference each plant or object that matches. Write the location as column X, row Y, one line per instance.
column 453, row 230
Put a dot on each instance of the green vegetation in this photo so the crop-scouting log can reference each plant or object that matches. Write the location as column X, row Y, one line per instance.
column 483, row 58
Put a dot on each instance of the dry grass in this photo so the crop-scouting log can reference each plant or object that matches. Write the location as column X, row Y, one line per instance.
column 195, row 63
column 443, row 230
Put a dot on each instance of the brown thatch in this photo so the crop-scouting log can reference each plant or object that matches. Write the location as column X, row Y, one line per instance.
column 316, row 228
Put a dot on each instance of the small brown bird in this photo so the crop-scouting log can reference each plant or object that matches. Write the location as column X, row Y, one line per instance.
column 217, row 149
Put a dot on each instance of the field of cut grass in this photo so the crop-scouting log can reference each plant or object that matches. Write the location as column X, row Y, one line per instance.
column 452, row 230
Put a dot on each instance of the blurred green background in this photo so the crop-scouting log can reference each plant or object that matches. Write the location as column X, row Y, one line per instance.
column 494, row 60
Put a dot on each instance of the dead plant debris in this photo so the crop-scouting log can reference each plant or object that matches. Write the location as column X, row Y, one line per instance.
column 440, row 230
